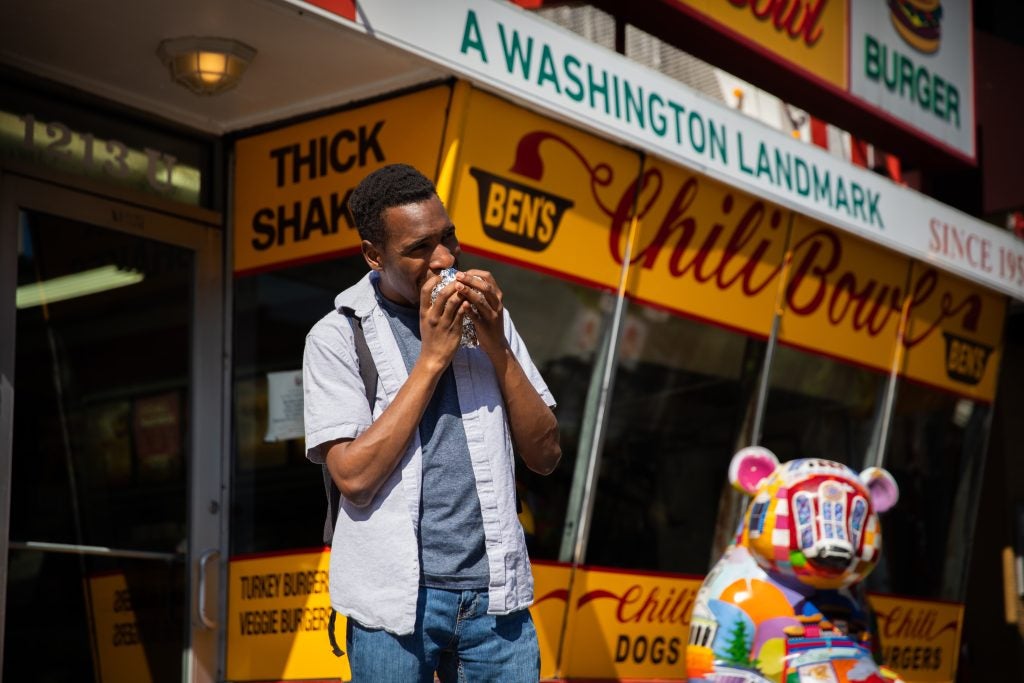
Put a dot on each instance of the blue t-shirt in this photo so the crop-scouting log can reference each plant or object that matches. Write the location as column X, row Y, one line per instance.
column 451, row 525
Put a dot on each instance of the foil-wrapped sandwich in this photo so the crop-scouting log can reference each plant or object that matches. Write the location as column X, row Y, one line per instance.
column 468, row 329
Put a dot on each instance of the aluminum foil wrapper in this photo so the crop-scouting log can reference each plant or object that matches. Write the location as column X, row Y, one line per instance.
column 468, row 329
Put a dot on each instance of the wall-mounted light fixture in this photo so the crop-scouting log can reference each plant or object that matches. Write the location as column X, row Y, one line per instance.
column 206, row 66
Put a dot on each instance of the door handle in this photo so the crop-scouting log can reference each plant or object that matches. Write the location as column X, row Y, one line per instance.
column 204, row 559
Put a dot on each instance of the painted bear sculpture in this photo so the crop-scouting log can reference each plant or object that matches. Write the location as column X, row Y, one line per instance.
column 782, row 605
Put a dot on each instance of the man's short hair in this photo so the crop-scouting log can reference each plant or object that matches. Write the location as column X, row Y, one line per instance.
column 385, row 188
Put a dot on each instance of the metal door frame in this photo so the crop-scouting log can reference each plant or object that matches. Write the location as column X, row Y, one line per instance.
column 203, row 657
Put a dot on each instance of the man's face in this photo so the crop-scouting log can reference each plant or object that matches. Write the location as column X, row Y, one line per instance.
column 419, row 242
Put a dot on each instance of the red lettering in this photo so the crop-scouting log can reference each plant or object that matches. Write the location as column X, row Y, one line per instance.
column 961, row 245
column 679, row 230
column 628, row 598
column 921, row 293
column 911, row 623
column 675, row 220
column 936, row 242
column 847, row 283
column 649, row 606
column 623, row 214
column 818, row 240
column 636, row 606
column 958, row 250
column 745, row 230
column 622, row 217
column 816, row 258
column 764, row 10
column 866, row 308
column 666, row 604
column 869, row 306
column 794, row 17
column 675, row 265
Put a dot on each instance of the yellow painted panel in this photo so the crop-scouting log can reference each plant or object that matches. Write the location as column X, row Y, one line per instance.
column 919, row 639
column 292, row 185
column 628, row 625
column 844, row 296
column 117, row 641
column 278, row 614
column 954, row 336
column 809, row 35
column 707, row 250
column 550, row 597
column 530, row 190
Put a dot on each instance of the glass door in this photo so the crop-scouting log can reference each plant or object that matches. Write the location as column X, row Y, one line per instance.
column 114, row 534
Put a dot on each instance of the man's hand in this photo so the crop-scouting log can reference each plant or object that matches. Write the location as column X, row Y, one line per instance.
column 441, row 322
column 479, row 288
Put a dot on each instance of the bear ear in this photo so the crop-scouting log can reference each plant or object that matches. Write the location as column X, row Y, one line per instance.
column 750, row 466
column 882, row 488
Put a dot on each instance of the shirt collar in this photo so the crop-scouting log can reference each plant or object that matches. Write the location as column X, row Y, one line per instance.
column 360, row 297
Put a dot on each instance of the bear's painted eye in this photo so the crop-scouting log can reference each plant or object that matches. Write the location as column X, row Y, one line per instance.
column 757, row 515
column 803, row 510
column 857, row 517
column 860, row 509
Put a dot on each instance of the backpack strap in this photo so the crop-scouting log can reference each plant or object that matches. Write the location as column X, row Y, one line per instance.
column 332, row 637
column 368, row 373
column 367, row 369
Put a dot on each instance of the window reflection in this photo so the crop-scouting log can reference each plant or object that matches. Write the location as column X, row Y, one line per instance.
column 935, row 455
column 560, row 323
column 100, row 457
column 820, row 408
column 680, row 396
column 277, row 495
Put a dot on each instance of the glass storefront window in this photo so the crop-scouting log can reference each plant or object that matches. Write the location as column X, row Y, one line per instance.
column 560, row 323
column 98, row 510
column 277, row 497
column 820, row 408
column 935, row 454
column 679, row 399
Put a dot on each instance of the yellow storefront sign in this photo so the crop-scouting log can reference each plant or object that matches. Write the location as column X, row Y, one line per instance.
column 279, row 610
column 278, row 616
column 292, row 185
column 551, row 198
column 954, row 334
column 550, row 598
column 628, row 625
column 844, row 296
column 615, row 625
column 535, row 192
column 810, row 35
column 117, row 640
column 920, row 639
column 706, row 250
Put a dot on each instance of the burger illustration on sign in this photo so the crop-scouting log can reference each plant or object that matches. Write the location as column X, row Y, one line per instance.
column 918, row 22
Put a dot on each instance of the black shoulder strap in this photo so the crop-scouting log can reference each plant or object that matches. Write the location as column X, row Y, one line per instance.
column 367, row 369
column 368, row 373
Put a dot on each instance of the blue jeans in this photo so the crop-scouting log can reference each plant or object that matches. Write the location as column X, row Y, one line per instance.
column 455, row 637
